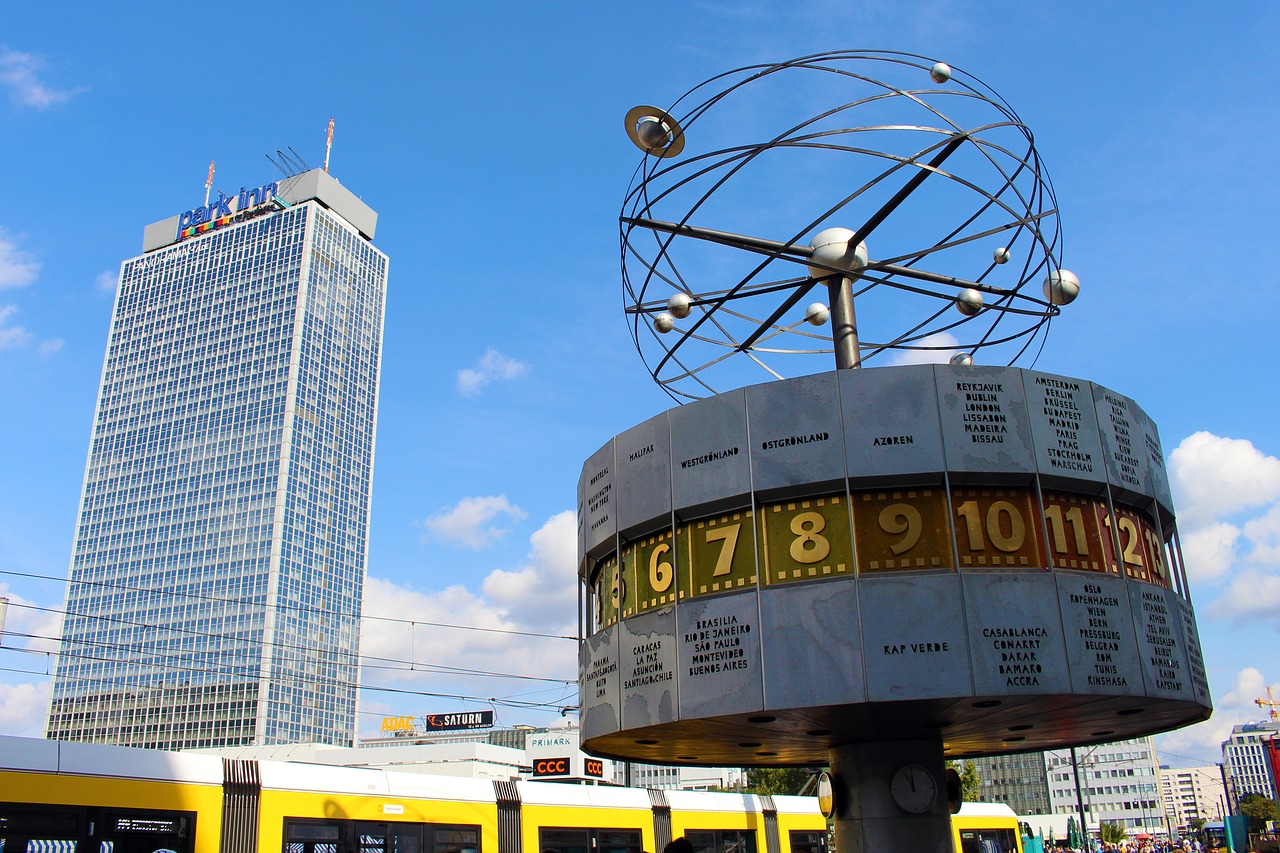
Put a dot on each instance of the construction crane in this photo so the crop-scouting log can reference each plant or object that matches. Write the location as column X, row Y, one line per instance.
column 1270, row 704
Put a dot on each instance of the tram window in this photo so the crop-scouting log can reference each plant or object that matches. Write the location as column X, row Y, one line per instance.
column 722, row 840
column 68, row 829
column 303, row 837
column 564, row 841
column 456, row 839
column 617, row 841
column 558, row 840
column 803, row 841
column 378, row 837
column 988, row 841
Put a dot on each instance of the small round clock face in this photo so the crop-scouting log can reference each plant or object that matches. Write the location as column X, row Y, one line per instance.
column 914, row 788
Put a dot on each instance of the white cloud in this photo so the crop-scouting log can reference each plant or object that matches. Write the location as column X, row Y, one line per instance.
column 23, row 709
column 28, row 625
column 1202, row 743
column 536, row 597
column 1251, row 593
column 491, row 367
column 1216, row 477
column 1209, row 551
column 50, row 346
column 1228, row 498
column 467, row 522
column 1263, row 533
column 18, row 268
column 548, row 583
column 12, row 337
column 106, row 282
column 949, row 343
column 19, row 73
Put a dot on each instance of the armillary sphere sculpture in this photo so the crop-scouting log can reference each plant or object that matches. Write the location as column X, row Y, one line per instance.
column 919, row 195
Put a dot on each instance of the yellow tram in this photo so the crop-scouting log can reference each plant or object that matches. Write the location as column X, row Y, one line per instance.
column 986, row 828
column 58, row 797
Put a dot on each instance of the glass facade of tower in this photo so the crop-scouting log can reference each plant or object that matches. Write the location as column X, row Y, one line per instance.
column 219, row 555
column 1018, row 781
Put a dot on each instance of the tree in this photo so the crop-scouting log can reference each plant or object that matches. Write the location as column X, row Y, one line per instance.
column 1259, row 810
column 970, row 784
column 1112, row 833
column 777, row 780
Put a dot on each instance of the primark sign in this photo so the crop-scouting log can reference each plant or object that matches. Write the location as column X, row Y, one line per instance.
column 229, row 209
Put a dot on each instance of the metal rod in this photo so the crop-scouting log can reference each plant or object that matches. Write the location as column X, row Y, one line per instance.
column 936, row 278
column 726, row 238
column 907, row 189
column 844, row 323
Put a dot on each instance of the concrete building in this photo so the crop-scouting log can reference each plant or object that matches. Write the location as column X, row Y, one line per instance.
column 1192, row 793
column 1243, row 755
column 1119, row 783
column 552, row 754
column 219, row 556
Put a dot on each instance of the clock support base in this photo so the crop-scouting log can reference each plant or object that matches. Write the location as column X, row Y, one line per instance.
column 890, row 796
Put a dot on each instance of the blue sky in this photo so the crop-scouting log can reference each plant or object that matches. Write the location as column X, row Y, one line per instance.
column 489, row 139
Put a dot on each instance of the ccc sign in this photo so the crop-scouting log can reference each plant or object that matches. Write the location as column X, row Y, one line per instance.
column 594, row 767
column 551, row 767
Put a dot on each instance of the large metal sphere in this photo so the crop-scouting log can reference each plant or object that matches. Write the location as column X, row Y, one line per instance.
column 831, row 248
column 679, row 305
column 664, row 322
column 652, row 132
column 1061, row 287
column 940, row 72
column 962, row 359
column 817, row 314
column 1001, row 255
column 968, row 302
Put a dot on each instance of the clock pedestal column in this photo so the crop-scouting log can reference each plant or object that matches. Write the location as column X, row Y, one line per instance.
column 890, row 796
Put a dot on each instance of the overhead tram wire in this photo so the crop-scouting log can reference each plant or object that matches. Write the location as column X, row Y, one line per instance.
column 229, row 674
column 359, row 712
column 406, row 666
column 290, row 605
column 509, row 703
column 367, row 662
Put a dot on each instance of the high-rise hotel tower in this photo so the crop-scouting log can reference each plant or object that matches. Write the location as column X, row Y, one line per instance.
column 220, row 549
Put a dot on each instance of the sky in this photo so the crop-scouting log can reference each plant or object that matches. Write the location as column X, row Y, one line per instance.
column 489, row 139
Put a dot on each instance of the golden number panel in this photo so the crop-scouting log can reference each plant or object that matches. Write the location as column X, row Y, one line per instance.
column 655, row 571
column 806, row 539
column 995, row 528
column 720, row 553
column 1141, row 548
column 607, row 592
column 627, row 580
column 892, row 530
column 902, row 529
column 1076, row 538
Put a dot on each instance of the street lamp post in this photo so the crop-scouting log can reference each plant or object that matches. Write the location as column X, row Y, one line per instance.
column 1084, row 826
